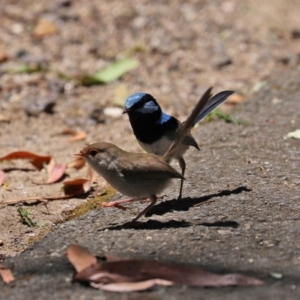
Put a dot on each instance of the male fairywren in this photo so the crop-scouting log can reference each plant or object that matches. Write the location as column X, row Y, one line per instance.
column 156, row 131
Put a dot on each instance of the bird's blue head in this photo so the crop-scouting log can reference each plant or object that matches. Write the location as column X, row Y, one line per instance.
column 141, row 103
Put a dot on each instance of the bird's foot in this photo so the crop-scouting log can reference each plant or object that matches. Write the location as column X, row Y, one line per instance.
column 119, row 203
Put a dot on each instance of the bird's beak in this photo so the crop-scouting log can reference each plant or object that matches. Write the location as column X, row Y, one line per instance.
column 78, row 154
column 125, row 111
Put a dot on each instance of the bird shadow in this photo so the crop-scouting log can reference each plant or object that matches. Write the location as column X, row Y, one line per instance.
column 178, row 205
column 157, row 225
column 186, row 203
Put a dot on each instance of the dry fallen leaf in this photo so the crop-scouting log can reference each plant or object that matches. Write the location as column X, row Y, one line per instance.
column 134, row 275
column 2, row 177
column 6, row 274
column 77, row 163
column 55, row 171
column 76, row 186
column 4, row 119
column 3, row 56
column 80, row 257
column 121, row 93
column 37, row 160
column 235, row 99
column 78, row 134
column 44, row 27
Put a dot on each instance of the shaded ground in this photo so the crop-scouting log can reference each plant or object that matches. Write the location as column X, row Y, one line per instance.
column 249, row 171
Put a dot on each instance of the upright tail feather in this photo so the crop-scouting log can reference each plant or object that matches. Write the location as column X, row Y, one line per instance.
column 187, row 125
column 215, row 101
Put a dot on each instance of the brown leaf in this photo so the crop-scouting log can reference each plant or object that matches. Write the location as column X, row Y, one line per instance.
column 6, row 274
column 2, row 177
column 78, row 134
column 44, row 27
column 77, row 163
column 119, row 275
column 4, row 119
column 55, row 171
column 3, row 56
column 80, row 257
column 76, row 186
column 37, row 160
column 235, row 99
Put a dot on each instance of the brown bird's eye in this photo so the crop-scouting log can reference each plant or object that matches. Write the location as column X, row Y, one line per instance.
column 93, row 153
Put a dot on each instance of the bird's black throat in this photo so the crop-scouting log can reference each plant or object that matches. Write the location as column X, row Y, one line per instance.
column 147, row 127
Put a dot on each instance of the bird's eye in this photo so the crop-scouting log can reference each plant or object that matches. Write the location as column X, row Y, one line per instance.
column 93, row 153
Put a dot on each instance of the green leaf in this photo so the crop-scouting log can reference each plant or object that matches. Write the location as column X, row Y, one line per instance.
column 219, row 114
column 25, row 217
column 116, row 70
column 28, row 68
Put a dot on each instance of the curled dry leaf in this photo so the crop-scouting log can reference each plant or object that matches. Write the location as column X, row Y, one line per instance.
column 35, row 159
column 2, row 177
column 4, row 119
column 55, row 171
column 76, row 186
column 79, row 186
column 6, row 274
column 44, row 27
column 235, row 99
column 78, row 134
column 77, row 163
column 80, row 257
column 135, row 275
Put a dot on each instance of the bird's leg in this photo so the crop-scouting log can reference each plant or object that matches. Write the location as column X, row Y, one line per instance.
column 118, row 203
column 182, row 166
column 153, row 199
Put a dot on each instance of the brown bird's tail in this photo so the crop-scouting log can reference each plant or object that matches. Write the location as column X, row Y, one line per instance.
column 187, row 125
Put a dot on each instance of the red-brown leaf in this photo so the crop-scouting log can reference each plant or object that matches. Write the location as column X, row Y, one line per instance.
column 78, row 134
column 55, row 171
column 119, row 275
column 6, row 274
column 37, row 160
column 76, row 186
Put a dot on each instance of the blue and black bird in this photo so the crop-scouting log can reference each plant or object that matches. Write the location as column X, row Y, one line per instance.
column 155, row 130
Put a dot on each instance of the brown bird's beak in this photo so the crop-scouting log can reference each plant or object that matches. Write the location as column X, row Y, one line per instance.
column 81, row 153
column 125, row 111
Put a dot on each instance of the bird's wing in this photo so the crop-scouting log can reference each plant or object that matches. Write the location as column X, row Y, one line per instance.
column 147, row 166
column 215, row 101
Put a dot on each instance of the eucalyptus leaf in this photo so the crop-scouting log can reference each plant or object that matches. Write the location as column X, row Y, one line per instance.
column 115, row 70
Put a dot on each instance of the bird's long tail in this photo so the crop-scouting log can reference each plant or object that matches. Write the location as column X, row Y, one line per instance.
column 215, row 101
column 187, row 125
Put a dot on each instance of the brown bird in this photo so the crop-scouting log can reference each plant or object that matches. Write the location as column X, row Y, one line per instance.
column 139, row 175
